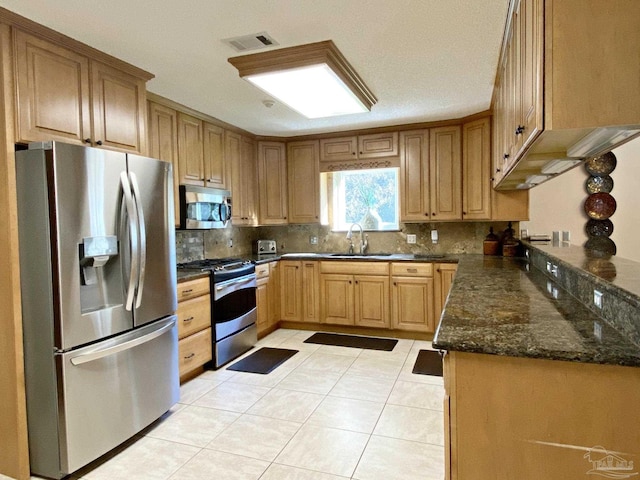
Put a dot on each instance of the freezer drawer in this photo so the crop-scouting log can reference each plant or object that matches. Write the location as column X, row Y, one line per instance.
column 109, row 392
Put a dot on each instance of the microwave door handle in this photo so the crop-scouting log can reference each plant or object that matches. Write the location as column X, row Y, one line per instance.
column 142, row 236
column 227, row 212
column 133, row 239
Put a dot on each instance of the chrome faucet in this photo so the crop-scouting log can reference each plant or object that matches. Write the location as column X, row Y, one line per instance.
column 364, row 242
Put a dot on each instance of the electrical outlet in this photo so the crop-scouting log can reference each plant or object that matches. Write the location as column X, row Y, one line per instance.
column 230, row 243
column 313, row 240
column 598, row 298
column 434, row 236
column 566, row 236
column 597, row 330
column 411, row 238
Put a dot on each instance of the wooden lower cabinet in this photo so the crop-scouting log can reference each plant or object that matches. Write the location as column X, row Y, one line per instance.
column 443, row 278
column 299, row 291
column 267, row 297
column 412, row 297
column 194, row 325
column 532, row 419
column 360, row 299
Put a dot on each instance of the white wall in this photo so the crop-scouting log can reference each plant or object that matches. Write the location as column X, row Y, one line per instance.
column 558, row 203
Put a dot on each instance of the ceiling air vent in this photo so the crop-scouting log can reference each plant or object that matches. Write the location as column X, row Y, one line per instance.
column 254, row 41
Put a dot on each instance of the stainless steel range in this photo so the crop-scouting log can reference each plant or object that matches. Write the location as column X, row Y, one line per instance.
column 233, row 306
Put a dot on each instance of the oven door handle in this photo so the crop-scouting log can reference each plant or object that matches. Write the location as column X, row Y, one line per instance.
column 232, row 286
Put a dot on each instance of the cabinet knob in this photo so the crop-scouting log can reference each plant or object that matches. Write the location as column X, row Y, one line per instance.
column 520, row 129
column 497, row 169
column 285, row 218
column 464, row 213
column 433, row 214
column 202, row 179
column 99, row 142
column 87, row 140
column 353, row 153
column 506, row 155
column 349, row 282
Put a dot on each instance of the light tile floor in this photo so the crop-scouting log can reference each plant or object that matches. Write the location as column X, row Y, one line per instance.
column 326, row 413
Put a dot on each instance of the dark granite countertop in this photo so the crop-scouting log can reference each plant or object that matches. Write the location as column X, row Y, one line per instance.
column 372, row 257
column 185, row 274
column 503, row 306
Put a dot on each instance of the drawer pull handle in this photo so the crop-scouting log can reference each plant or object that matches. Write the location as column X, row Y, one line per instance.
column 190, row 356
column 187, row 292
column 412, row 270
column 187, row 319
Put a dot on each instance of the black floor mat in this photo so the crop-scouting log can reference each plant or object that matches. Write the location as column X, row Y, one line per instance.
column 263, row 361
column 369, row 343
column 429, row 362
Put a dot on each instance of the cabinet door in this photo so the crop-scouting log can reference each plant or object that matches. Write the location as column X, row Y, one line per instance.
column 378, row 145
column 443, row 279
column 291, row 290
column 272, row 183
column 338, row 149
column 445, row 172
column 52, row 92
column 476, row 166
column 336, row 291
column 531, row 18
column 194, row 315
column 119, row 109
column 414, row 176
column 190, row 150
column 371, row 301
column 262, row 304
column 249, row 172
column 412, row 304
column 303, row 173
column 163, row 144
column 232, row 154
column 194, row 351
column 274, row 293
column 310, row 292
column 215, row 168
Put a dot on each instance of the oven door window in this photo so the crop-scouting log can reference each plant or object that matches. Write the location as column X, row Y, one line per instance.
column 234, row 305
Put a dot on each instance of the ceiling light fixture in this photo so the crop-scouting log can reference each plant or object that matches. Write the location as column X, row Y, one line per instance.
column 314, row 80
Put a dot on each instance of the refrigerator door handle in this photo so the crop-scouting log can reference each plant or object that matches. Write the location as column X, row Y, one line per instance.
column 137, row 198
column 132, row 216
column 127, row 345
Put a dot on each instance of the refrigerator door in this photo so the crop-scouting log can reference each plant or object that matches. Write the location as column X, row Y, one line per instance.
column 152, row 185
column 69, row 207
column 108, row 392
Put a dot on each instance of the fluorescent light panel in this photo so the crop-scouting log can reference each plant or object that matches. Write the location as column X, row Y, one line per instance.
column 558, row 166
column 601, row 140
column 314, row 79
column 314, row 91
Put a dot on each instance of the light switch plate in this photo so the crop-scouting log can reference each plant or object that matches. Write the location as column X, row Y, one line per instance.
column 434, row 236
column 411, row 238
column 597, row 298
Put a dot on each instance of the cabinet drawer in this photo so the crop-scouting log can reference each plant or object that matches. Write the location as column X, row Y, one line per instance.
column 194, row 315
column 410, row 269
column 262, row 270
column 193, row 288
column 355, row 268
column 194, row 351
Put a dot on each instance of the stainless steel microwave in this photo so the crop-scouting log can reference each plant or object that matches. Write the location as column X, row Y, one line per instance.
column 204, row 208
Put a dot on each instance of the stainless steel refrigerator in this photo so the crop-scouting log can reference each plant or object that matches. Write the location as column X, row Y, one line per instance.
column 97, row 266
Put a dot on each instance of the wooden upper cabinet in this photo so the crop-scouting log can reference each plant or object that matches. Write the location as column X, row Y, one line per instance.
column 241, row 156
column 163, row 143
column 303, row 181
column 215, row 167
column 119, row 102
column 414, row 176
column 272, row 183
column 338, row 149
column 53, row 91
column 66, row 96
column 378, row 145
column 360, row 147
column 445, row 172
column 190, row 150
column 476, row 170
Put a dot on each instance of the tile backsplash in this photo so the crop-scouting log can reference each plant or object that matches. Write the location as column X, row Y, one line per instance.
column 453, row 237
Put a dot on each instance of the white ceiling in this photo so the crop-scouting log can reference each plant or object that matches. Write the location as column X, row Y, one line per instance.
column 424, row 60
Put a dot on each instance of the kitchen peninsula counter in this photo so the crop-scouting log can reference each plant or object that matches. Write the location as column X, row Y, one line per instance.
column 504, row 306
